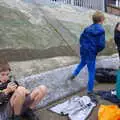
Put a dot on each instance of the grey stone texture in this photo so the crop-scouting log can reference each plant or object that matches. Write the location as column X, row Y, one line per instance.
column 57, row 83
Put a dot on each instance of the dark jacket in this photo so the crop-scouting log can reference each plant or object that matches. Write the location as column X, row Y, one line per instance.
column 92, row 41
column 3, row 97
column 117, row 39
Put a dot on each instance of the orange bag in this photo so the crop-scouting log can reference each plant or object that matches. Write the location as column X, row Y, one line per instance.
column 109, row 112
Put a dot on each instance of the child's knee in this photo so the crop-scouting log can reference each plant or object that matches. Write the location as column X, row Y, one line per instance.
column 17, row 98
column 43, row 89
column 20, row 92
column 40, row 91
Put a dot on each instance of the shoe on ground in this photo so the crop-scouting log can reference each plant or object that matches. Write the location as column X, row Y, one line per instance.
column 72, row 77
column 30, row 115
column 93, row 97
column 16, row 117
column 10, row 118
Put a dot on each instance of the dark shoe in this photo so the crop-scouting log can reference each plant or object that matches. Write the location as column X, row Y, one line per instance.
column 16, row 117
column 10, row 118
column 72, row 77
column 90, row 93
column 30, row 115
column 93, row 97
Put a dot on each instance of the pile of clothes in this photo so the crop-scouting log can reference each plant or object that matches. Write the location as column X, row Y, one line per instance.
column 80, row 108
column 76, row 108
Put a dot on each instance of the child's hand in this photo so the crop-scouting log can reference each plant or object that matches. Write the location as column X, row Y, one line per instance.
column 24, row 90
column 11, row 87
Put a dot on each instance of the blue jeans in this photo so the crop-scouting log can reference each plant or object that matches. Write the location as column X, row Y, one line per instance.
column 91, row 72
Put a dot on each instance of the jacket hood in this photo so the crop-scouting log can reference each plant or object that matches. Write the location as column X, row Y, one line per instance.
column 95, row 29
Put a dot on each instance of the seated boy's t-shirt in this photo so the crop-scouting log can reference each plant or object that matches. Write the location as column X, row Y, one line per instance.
column 3, row 97
column 4, row 85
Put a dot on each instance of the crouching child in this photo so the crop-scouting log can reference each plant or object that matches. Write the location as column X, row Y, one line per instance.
column 16, row 101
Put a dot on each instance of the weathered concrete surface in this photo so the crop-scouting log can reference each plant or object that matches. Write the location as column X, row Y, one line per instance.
column 108, row 62
column 26, row 68
column 70, row 15
column 57, row 80
column 57, row 83
column 32, row 26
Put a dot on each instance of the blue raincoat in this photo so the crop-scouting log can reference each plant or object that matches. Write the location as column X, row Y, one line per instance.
column 92, row 41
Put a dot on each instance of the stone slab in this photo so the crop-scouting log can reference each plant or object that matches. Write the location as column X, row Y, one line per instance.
column 57, row 83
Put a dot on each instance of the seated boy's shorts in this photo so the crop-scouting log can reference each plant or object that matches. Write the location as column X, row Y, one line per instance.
column 7, row 110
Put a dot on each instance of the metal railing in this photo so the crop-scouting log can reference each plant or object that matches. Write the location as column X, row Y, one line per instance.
column 63, row 1
column 93, row 4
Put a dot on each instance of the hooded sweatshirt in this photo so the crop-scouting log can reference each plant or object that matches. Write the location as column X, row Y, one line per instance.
column 117, row 39
column 92, row 41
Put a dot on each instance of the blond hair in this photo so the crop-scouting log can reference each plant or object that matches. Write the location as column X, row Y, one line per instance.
column 97, row 17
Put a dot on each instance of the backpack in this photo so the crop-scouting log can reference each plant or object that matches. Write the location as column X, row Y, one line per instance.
column 105, row 75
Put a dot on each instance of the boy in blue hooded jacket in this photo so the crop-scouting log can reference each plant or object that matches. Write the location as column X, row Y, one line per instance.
column 92, row 41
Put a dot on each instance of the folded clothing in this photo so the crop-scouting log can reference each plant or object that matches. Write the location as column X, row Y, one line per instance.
column 77, row 108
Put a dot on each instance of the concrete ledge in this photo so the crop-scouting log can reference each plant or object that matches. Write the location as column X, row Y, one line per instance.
column 57, row 82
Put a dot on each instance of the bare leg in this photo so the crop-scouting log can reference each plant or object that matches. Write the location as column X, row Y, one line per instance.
column 37, row 94
column 17, row 100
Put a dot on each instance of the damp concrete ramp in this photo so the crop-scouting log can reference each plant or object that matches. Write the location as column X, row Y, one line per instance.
column 57, row 82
